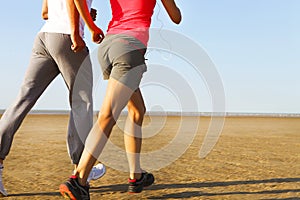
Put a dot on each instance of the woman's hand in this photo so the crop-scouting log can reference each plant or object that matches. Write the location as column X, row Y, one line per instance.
column 97, row 35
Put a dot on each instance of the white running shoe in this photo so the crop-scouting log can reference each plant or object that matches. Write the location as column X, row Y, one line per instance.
column 2, row 190
column 97, row 172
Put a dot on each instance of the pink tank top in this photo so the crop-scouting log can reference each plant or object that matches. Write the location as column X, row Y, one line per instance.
column 131, row 17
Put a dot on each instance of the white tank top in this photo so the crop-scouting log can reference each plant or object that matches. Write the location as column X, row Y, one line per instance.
column 58, row 18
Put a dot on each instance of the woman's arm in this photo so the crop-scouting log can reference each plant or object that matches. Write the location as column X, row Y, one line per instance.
column 172, row 10
column 45, row 10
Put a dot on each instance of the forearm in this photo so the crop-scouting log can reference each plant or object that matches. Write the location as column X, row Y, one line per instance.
column 73, row 16
column 84, row 12
column 172, row 10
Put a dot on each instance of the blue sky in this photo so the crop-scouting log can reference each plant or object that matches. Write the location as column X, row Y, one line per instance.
column 255, row 45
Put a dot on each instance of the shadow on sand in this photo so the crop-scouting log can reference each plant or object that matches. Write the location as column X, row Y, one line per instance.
column 179, row 195
column 123, row 187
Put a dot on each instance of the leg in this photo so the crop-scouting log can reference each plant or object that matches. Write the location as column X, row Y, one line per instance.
column 133, row 133
column 116, row 98
column 81, row 115
column 76, row 70
column 41, row 71
column 133, row 140
column 128, row 67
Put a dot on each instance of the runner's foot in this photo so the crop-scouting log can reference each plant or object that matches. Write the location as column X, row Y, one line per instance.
column 71, row 189
column 136, row 186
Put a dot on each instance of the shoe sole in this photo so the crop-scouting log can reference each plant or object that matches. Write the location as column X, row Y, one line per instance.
column 66, row 193
column 3, row 193
column 132, row 192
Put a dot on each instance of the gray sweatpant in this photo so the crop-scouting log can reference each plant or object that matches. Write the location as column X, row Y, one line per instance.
column 51, row 56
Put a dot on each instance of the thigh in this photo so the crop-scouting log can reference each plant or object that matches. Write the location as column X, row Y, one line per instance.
column 42, row 69
column 127, row 59
column 69, row 62
column 116, row 98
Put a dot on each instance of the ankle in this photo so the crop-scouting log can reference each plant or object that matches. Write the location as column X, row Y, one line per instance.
column 136, row 176
column 81, row 182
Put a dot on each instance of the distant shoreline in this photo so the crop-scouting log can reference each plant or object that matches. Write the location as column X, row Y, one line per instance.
column 172, row 113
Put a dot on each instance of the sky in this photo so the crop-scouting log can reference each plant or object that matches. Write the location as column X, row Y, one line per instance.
column 253, row 44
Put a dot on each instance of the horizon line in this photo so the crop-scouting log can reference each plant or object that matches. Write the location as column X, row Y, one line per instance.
column 177, row 113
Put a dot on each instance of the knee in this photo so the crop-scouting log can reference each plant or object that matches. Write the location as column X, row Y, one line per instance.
column 137, row 114
column 28, row 93
column 106, row 118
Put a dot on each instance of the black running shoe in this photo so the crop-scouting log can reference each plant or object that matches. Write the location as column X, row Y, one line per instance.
column 136, row 186
column 73, row 190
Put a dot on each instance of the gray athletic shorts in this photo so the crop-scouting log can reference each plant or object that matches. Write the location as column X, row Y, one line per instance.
column 122, row 57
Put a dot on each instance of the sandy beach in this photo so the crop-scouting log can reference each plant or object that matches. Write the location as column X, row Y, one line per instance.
column 255, row 158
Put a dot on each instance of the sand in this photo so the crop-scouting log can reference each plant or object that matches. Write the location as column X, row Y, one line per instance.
column 255, row 158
